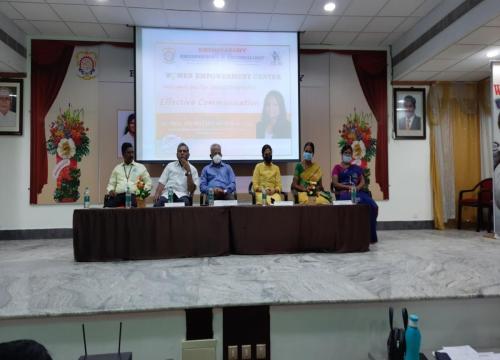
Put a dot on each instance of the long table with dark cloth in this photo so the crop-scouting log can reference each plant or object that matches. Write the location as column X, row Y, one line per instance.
column 293, row 229
column 161, row 233
column 150, row 233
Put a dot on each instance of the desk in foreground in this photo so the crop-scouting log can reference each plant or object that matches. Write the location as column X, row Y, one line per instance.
column 161, row 233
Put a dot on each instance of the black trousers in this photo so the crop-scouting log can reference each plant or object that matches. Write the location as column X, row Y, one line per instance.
column 117, row 201
column 187, row 200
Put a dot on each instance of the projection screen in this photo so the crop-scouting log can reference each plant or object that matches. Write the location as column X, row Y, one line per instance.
column 237, row 89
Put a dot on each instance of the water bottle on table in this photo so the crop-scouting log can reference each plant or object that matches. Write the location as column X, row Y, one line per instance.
column 264, row 197
column 86, row 198
column 412, row 339
column 128, row 198
column 170, row 195
column 210, row 197
column 354, row 194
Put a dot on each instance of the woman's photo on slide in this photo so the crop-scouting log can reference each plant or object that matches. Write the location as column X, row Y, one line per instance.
column 126, row 129
column 274, row 123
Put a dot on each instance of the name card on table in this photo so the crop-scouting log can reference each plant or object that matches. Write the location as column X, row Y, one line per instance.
column 175, row 204
column 225, row 202
column 342, row 202
column 283, row 203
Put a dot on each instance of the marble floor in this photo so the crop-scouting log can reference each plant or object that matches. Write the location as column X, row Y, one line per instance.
column 40, row 277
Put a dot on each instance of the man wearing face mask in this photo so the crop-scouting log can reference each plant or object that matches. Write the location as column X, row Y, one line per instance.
column 218, row 176
column 267, row 177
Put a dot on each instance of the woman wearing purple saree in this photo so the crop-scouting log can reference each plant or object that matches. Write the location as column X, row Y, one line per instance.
column 344, row 176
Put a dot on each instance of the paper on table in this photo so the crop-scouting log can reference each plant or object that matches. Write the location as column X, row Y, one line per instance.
column 283, row 203
column 489, row 356
column 342, row 202
column 226, row 203
column 461, row 352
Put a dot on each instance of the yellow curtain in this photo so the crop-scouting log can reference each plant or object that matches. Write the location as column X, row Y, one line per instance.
column 437, row 204
column 453, row 110
column 464, row 111
column 483, row 95
column 433, row 105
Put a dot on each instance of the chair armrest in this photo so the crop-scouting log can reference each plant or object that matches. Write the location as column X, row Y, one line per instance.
column 460, row 194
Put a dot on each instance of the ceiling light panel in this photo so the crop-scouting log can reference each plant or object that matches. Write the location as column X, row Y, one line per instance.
column 77, row 13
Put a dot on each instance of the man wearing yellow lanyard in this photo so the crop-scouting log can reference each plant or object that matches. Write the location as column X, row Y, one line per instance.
column 125, row 175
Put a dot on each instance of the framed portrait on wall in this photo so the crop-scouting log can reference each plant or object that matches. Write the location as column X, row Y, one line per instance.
column 125, row 129
column 11, row 107
column 409, row 113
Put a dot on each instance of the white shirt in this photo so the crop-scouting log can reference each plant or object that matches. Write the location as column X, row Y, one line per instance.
column 174, row 175
column 409, row 121
column 8, row 120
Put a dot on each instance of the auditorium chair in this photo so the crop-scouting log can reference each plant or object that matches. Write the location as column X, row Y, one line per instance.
column 482, row 199
column 283, row 194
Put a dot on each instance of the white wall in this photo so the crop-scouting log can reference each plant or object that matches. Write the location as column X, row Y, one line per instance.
column 115, row 87
column 410, row 191
column 409, row 171
column 351, row 331
column 154, row 335
column 410, row 196
column 319, row 332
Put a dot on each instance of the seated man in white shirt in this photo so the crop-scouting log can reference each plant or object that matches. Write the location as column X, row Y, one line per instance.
column 125, row 175
column 181, row 177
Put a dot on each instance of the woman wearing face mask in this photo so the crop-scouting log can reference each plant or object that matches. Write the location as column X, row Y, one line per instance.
column 267, row 178
column 307, row 179
column 344, row 176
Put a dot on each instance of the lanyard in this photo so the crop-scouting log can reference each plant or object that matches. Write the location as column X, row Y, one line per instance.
column 125, row 171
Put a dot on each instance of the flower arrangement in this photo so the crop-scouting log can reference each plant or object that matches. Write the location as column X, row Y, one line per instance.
column 357, row 132
column 69, row 142
column 142, row 192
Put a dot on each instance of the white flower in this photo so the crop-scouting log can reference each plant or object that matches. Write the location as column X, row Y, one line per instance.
column 358, row 150
column 66, row 148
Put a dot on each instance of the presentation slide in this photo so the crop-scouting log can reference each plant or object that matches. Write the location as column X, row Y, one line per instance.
column 237, row 89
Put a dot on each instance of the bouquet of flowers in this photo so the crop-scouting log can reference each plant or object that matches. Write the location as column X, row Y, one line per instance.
column 69, row 142
column 357, row 133
column 142, row 192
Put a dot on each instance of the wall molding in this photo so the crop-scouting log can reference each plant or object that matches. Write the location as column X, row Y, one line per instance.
column 36, row 234
column 67, row 233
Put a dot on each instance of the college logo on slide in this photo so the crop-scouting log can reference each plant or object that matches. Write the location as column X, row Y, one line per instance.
column 169, row 55
column 86, row 64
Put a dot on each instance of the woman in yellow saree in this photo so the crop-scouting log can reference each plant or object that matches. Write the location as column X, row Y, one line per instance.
column 307, row 179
